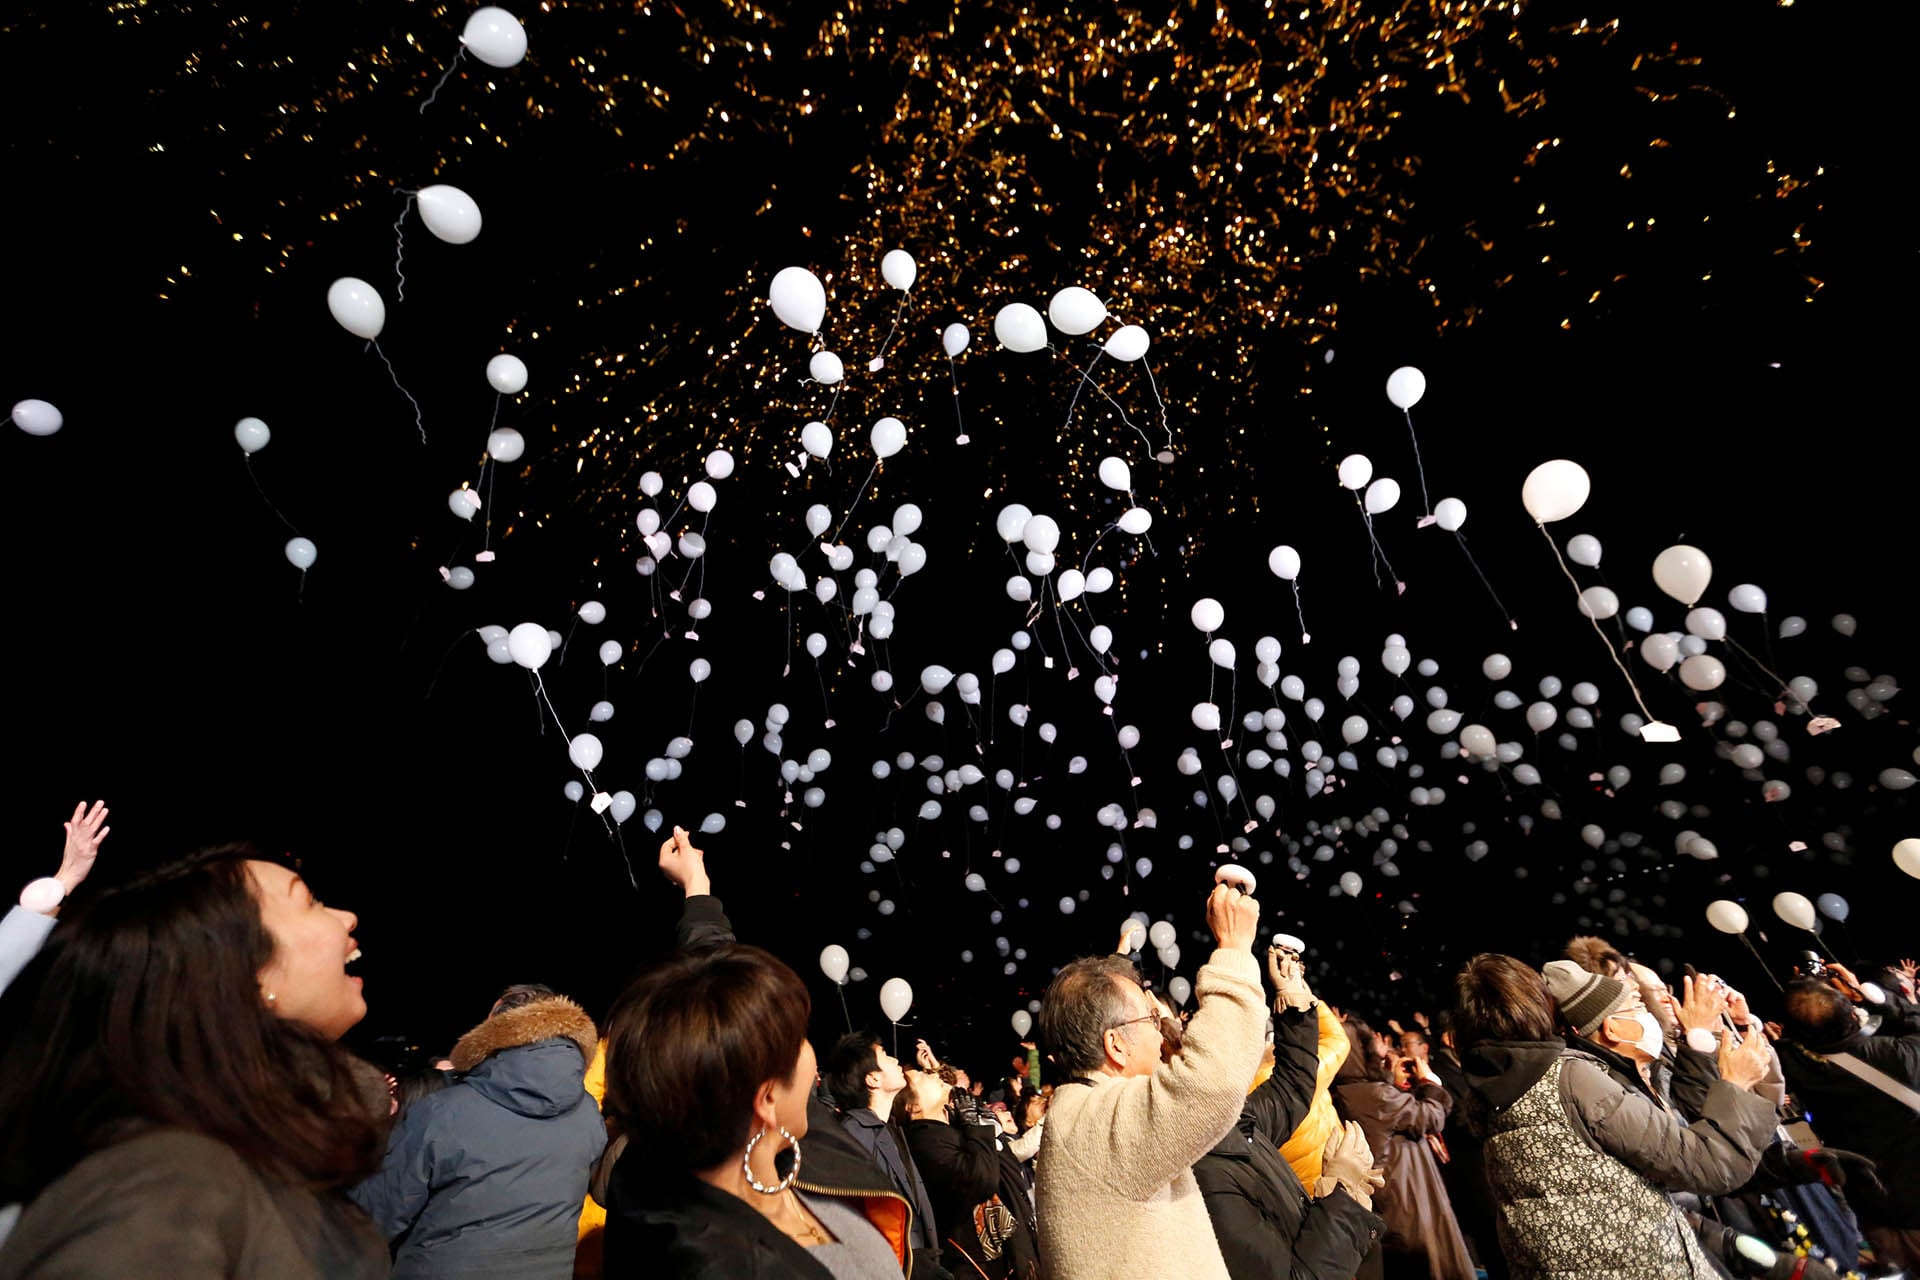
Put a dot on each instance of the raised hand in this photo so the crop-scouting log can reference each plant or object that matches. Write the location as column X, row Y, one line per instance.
column 1701, row 1004
column 923, row 1054
column 683, row 865
column 1745, row 1064
column 1233, row 917
column 85, row 833
column 1289, row 979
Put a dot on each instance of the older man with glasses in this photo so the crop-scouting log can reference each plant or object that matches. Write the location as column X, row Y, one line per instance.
column 1115, row 1191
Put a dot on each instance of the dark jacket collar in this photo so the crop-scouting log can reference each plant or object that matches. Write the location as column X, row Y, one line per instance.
column 685, row 1219
column 1497, row 1072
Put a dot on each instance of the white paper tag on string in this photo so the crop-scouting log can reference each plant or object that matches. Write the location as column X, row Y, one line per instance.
column 602, row 802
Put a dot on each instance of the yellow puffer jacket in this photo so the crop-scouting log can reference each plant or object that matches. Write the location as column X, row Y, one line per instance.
column 1303, row 1149
column 593, row 1218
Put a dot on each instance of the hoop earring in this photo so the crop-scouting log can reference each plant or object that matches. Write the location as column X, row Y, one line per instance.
column 746, row 1162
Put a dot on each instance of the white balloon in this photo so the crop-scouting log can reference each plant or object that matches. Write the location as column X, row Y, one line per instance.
column 1477, row 741
column 1022, row 1023
column 1206, row 717
column 1683, row 573
column 38, row 418
column 896, row 997
column 816, row 439
column 651, row 483
column 1660, row 652
column 301, row 553
column 504, row 444
column 1076, row 311
column 585, row 751
column 889, row 436
column 833, row 963
column 592, row 612
column 1405, row 386
column 798, row 298
column 1042, row 534
column 1127, row 344
column 530, row 645
column 1115, row 474
column 1795, row 909
column 826, row 368
column 460, row 577
column 1011, row 523
column 1702, row 672
column 1497, row 666
column 451, row 215
column 356, row 306
column 1207, row 614
column 1708, row 624
column 701, row 496
column 1135, row 521
column 250, row 434
column 1020, row 328
column 899, row 269
column 1599, row 602
column 1355, row 470
column 1353, row 729
column 610, row 652
column 1382, row 496
column 1726, row 916
column 623, row 806
column 719, row 464
column 1748, row 598
column 1555, row 490
column 1285, row 563
column 1070, row 586
column 1450, row 514
column 699, row 669
column 954, row 339
column 495, row 37
column 1584, row 549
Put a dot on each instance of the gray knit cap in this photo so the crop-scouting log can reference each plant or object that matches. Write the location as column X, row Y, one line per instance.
column 1585, row 999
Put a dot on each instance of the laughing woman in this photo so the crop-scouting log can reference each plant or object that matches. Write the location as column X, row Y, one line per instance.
column 172, row 1101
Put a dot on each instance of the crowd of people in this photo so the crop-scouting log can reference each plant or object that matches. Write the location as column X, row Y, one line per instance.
column 175, row 1100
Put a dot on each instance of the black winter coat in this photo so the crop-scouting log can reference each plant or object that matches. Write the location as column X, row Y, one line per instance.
column 963, row 1168
column 1850, row 1113
column 1267, row 1226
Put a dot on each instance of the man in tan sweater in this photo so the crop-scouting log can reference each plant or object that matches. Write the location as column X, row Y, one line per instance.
column 1114, row 1191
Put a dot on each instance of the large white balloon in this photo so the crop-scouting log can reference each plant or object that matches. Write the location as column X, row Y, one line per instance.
column 1041, row 534
column 1355, row 470
column 251, row 434
column 896, row 997
column 301, row 553
column 954, row 339
column 899, row 269
column 507, row 374
column 1285, row 562
column 585, row 751
column 1382, row 496
column 38, row 418
column 1683, row 572
column 1555, row 490
column 1584, row 549
column 833, row 963
column 1020, row 328
column 1135, row 521
column 1450, row 514
column 1127, row 344
column 1726, row 916
column 889, row 436
column 826, row 368
column 449, row 213
column 530, row 645
column 817, row 439
column 504, row 444
column 1076, row 311
column 1405, row 386
column 357, row 307
column 1748, row 598
column 1794, row 909
column 1115, row 474
column 495, row 37
column 1906, row 856
column 798, row 298
column 1207, row 614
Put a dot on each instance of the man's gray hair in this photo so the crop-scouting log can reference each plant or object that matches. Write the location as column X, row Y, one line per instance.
column 1082, row 1002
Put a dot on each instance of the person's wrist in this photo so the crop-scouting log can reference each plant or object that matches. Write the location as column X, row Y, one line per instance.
column 698, row 885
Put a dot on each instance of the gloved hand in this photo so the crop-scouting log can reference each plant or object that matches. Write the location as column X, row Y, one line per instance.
column 1838, row 1168
column 1289, row 976
column 1347, row 1162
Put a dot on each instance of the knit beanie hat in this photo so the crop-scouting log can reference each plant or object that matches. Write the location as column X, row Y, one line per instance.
column 1585, row 999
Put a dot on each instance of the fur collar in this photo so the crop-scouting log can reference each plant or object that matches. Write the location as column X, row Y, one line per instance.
column 557, row 1018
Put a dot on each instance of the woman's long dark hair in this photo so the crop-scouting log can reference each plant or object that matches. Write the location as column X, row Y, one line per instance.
column 144, row 1010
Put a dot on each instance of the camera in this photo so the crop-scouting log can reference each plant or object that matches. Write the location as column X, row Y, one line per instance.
column 1810, row 965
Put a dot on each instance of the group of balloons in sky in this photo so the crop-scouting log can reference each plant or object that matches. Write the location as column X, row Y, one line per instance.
column 1796, row 910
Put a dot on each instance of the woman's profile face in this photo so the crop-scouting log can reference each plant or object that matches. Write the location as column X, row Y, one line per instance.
column 790, row 1097
column 312, row 944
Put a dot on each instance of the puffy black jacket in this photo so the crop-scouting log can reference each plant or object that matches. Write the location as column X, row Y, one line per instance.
column 1266, row 1223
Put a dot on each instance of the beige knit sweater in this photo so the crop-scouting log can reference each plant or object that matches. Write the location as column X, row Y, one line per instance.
column 1114, row 1188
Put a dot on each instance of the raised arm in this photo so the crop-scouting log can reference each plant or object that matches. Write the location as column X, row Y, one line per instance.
column 703, row 922
column 1714, row 1155
column 25, row 927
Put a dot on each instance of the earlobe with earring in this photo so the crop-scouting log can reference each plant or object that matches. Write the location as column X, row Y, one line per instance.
column 271, row 997
column 746, row 1162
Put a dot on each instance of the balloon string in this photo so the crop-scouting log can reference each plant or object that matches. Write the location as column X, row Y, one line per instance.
column 248, row 459
column 844, row 1011
column 871, row 471
column 1461, row 538
column 1762, row 963
column 832, row 403
column 417, row 422
column 897, row 312
column 400, row 245
column 1379, row 551
column 451, row 68
column 497, row 398
column 486, row 540
column 1102, row 391
column 1162, row 404
column 959, row 422
column 1086, row 377
column 1300, row 612
column 1426, row 503
column 1611, row 651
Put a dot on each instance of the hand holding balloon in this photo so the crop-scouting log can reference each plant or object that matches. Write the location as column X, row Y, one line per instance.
column 685, row 866
column 1237, row 876
column 1233, row 917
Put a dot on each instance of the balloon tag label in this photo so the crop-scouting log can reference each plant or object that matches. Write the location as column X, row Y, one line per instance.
column 445, row 574
column 483, row 557
column 1427, row 520
column 1822, row 724
column 602, row 802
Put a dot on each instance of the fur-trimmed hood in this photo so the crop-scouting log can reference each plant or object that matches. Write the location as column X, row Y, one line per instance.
column 556, row 1018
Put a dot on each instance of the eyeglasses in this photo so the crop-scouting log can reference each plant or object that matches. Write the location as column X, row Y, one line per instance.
column 1145, row 1017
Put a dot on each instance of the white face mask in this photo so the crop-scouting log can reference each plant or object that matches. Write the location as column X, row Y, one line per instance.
column 1652, row 1040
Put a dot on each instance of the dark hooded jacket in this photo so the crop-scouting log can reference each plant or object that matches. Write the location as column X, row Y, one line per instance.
column 1599, row 1151
column 1267, row 1226
column 485, row 1178
column 964, row 1168
column 1850, row 1113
